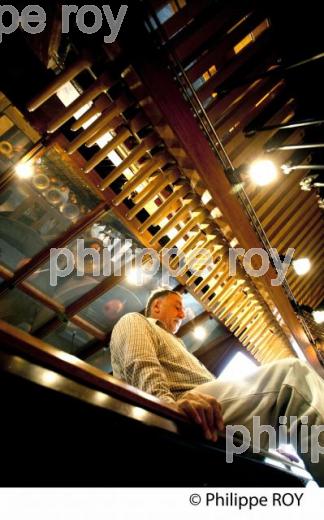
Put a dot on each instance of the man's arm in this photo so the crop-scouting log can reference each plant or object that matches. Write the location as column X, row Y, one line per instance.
column 133, row 353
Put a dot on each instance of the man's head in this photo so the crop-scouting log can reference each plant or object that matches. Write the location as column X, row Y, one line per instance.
column 166, row 306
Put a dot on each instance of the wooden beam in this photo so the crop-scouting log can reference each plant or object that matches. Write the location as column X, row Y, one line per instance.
column 63, row 240
column 52, row 304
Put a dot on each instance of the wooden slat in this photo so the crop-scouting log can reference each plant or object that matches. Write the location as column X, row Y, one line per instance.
column 189, row 205
column 138, row 152
column 221, row 47
column 248, row 149
column 105, row 121
column 119, row 139
column 68, row 74
column 97, row 87
column 142, row 174
column 215, row 28
column 171, row 203
column 284, row 216
column 302, row 226
column 197, row 218
column 253, row 56
column 152, row 191
column 239, row 120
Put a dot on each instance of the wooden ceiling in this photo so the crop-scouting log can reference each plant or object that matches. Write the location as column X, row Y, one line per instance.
column 239, row 70
column 187, row 184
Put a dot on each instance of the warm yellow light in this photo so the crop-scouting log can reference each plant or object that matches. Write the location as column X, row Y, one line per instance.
column 133, row 276
column 301, row 266
column 136, row 276
column 206, row 197
column 200, row 333
column 318, row 316
column 24, row 170
column 263, row 172
column 243, row 43
column 286, row 169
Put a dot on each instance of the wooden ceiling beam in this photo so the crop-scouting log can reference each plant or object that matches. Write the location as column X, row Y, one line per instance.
column 249, row 149
column 237, row 66
column 221, row 47
column 63, row 240
column 282, row 221
column 305, row 295
column 303, row 225
column 54, row 305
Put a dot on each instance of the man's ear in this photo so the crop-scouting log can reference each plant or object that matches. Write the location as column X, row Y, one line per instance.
column 156, row 305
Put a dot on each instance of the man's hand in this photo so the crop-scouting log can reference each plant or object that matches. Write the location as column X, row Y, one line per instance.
column 204, row 410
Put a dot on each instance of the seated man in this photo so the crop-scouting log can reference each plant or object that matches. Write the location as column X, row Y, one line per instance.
column 146, row 353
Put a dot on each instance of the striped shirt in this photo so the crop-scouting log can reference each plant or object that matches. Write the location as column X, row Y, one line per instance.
column 145, row 355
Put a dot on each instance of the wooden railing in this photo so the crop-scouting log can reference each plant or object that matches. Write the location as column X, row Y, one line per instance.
column 18, row 342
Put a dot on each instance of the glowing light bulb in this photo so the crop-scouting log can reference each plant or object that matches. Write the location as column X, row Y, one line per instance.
column 24, row 170
column 301, row 266
column 263, row 172
column 200, row 333
column 318, row 316
column 135, row 276
column 286, row 169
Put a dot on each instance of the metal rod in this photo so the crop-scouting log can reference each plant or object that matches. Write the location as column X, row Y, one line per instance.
column 285, row 126
column 294, row 147
column 288, row 168
column 228, row 86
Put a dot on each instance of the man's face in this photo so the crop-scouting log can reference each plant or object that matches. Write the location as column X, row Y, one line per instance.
column 170, row 311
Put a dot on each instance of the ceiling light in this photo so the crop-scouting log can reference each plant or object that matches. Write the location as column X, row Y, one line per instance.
column 301, row 266
column 200, row 333
column 24, row 170
column 133, row 276
column 263, row 172
column 318, row 316
column 286, row 169
column 137, row 276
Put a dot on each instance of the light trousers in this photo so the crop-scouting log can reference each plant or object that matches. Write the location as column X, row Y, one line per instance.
column 287, row 388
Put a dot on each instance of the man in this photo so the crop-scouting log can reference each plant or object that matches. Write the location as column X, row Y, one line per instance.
column 146, row 353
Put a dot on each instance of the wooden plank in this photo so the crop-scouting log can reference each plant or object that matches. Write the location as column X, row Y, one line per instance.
column 303, row 225
column 214, row 28
column 251, row 58
column 278, row 224
column 220, row 48
column 241, row 118
column 84, row 62
column 248, row 149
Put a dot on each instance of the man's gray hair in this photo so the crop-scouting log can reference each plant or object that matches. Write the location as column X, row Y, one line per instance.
column 157, row 293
